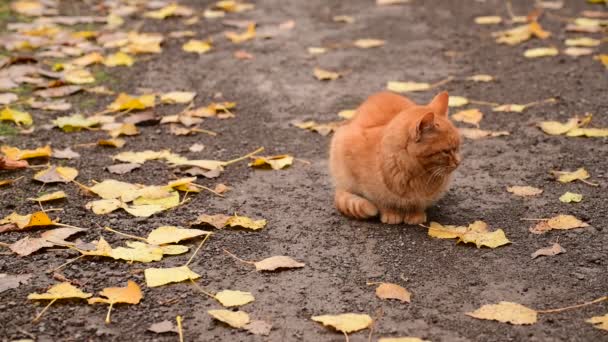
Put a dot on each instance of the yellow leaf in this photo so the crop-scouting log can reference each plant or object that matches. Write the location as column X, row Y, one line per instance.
column 325, row 75
column 104, row 206
column 343, row 19
column 346, row 323
column 233, row 6
column 476, row 133
column 513, row 36
column 36, row 219
column 229, row 298
column 140, row 157
column 402, row 339
column 582, row 41
column 578, row 51
column 211, row 14
column 124, row 129
column 567, row 177
column 276, row 262
column 56, row 174
column 18, row 117
column 162, row 13
column 457, row 101
column 218, row 221
column 161, row 276
column 156, row 196
column 478, row 233
column 481, row 78
column 404, row 87
column 604, row 59
column 170, row 234
column 369, row 43
column 570, row 197
column 198, row 46
column 393, row 291
column 245, row 222
column 74, row 123
column 177, row 97
column 599, row 322
column 488, row 20
column 78, row 76
column 17, row 154
column 102, row 248
column 538, row 31
column 28, row 7
column 235, row 319
column 49, row 197
column 565, row 222
column 145, row 210
column 143, row 43
column 470, row 116
column 558, row 128
column 275, row 162
column 524, row 191
column 118, row 143
column 129, row 295
column 588, row 132
column 313, row 50
column 517, row 108
column 241, row 37
column 126, row 102
column 440, row 231
column 174, row 249
column 137, row 251
column 347, row 113
column 506, row 312
column 88, row 59
column 60, row 291
column 110, row 189
column 118, row 59
column 541, row 52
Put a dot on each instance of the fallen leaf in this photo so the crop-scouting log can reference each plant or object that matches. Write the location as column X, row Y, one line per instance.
column 12, row 281
column 369, row 43
column 481, row 78
column 245, row 222
column 570, row 197
column 163, row 12
column 127, row 102
column 258, row 327
column 74, row 123
column 541, row 52
column 197, row 46
column 515, row 108
column 49, row 197
column 229, row 298
column 347, row 113
column 121, row 169
column 240, row 54
column 404, row 87
column 488, row 20
column 567, row 177
column 7, row 98
column 63, row 290
column 88, row 59
column 238, row 38
column 177, row 97
column 162, row 276
column 478, row 233
column 235, row 319
column 56, row 174
column 15, row 221
column 118, row 59
column 316, row 50
column 162, row 327
column 65, row 154
column 347, row 19
column 565, row 222
column 17, row 154
column 277, row 262
column 18, row 117
column 440, row 231
column 538, row 31
column 218, row 221
column 78, row 76
column 588, row 132
column 56, row 105
column 558, row 128
column 346, row 323
column 131, row 294
column 393, row 291
column 58, row 91
column 524, row 191
column 476, row 133
column 325, row 75
column 233, row 6
column 50, row 238
column 117, row 143
column 196, row 147
column 171, row 234
column 470, row 116
column 506, row 312
column 457, row 101
column 137, row 251
column 599, row 322
column 275, row 162
column 402, row 339
column 549, row 251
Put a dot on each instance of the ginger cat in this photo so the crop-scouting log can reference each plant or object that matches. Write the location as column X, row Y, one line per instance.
column 394, row 158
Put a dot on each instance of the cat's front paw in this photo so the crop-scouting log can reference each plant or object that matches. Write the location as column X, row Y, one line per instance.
column 416, row 217
column 391, row 216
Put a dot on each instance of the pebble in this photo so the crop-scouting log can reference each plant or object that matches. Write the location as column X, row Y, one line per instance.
column 579, row 276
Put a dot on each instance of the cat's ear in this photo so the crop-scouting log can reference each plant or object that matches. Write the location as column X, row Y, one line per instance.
column 425, row 125
column 440, row 103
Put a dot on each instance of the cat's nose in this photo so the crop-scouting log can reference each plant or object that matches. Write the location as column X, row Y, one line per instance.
column 456, row 160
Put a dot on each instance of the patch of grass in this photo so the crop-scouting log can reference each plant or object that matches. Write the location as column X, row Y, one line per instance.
column 8, row 129
column 87, row 103
column 101, row 76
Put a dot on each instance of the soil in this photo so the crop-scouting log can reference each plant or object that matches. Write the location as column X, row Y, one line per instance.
column 427, row 41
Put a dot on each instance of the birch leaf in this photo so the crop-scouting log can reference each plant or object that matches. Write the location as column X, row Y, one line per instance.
column 478, row 233
column 162, row 276
column 18, row 117
column 570, row 197
column 346, row 323
column 63, row 290
column 457, row 101
column 325, row 75
column 393, row 291
column 197, row 46
column 171, row 234
column 49, row 197
column 567, row 177
column 599, row 322
column 277, row 262
column 476, row 133
column 506, row 312
column 275, row 162
column 524, row 191
column 549, row 251
column 470, row 116
column 235, row 319
column 229, row 298
column 369, row 43
column 177, row 97
column 541, row 52
column 565, row 222
column 56, row 174
column 404, row 87
column 118, row 59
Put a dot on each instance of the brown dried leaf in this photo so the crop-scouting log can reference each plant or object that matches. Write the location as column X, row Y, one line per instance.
column 549, row 251
column 277, row 262
column 393, row 291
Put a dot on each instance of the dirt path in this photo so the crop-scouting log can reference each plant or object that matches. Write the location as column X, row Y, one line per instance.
column 427, row 41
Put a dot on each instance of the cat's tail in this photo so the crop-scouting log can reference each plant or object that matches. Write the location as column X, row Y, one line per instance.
column 354, row 206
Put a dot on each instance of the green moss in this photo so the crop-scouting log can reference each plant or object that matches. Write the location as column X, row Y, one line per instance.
column 8, row 129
